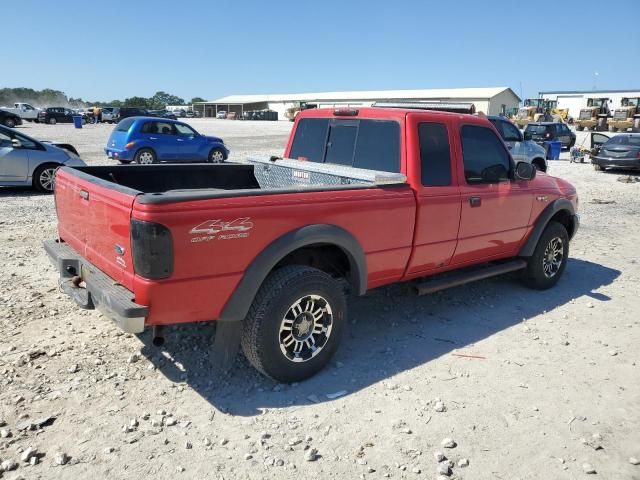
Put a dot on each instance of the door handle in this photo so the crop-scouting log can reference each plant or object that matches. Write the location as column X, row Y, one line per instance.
column 475, row 201
column 84, row 194
column 153, row 138
column 180, row 140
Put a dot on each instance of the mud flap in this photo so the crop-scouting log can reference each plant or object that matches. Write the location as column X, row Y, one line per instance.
column 226, row 343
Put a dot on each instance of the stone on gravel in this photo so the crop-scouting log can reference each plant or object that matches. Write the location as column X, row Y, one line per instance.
column 443, row 469
column 170, row 422
column 5, row 433
column 634, row 461
column 588, row 468
column 440, row 407
column 311, row 455
column 75, row 368
column 439, row 456
column 28, row 453
column 448, row 443
column 224, row 441
column 463, row 462
column 133, row 358
column 61, row 458
column 8, row 465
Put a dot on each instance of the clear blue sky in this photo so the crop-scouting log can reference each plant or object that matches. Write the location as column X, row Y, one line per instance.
column 115, row 49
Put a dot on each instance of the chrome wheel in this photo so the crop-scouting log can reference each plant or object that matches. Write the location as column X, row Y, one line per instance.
column 305, row 328
column 553, row 257
column 47, row 178
column 145, row 158
column 216, row 156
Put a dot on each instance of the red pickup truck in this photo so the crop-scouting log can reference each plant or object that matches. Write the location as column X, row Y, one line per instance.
column 269, row 249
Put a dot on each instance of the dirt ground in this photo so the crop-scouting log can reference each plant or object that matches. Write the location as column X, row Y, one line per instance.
column 527, row 384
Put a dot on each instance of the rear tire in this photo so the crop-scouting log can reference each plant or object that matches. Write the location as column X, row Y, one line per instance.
column 43, row 177
column 145, row 156
column 9, row 122
column 295, row 322
column 549, row 259
column 216, row 155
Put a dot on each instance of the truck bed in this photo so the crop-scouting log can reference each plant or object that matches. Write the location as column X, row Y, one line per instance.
column 263, row 175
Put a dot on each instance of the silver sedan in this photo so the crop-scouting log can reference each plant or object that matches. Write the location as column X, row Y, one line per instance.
column 25, row 161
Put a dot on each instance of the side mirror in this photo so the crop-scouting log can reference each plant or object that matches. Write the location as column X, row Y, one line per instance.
column 16, row 143
column 527, row 136
column 525, row 171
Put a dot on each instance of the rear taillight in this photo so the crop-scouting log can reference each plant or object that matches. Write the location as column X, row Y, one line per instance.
column 638, row 155
column 151, row 249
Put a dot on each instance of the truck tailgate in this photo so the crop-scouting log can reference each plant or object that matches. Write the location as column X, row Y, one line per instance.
column 94, row 219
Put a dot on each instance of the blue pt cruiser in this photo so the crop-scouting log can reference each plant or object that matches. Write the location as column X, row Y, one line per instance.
column 148, row 140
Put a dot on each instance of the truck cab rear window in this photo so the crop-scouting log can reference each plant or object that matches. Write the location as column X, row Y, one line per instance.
column 369, row 144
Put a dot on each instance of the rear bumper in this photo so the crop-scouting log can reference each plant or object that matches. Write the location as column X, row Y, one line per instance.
column 117, row 154
column 616, row 162
column 100, row 291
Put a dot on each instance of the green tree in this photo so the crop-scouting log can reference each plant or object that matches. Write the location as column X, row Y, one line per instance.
column 197, row 99
column 137, row 102
column 162, row 99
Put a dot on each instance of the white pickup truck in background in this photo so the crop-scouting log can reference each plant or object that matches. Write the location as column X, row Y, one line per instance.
column 24, row 111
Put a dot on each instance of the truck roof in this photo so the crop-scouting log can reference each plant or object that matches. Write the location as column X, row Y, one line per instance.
column 372, row 112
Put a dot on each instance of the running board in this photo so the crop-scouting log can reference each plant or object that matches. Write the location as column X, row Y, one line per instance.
column 456, row 279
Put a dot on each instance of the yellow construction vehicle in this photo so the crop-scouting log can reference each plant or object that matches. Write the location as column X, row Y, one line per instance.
column 293, row 112
column 627, row 116
column 540, row 110
column 595, row 116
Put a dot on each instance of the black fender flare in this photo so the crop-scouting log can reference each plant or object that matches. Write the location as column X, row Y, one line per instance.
column 238, row 305
column 542, row 222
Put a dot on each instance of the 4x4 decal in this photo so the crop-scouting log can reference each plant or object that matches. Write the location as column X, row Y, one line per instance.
column 211, row 229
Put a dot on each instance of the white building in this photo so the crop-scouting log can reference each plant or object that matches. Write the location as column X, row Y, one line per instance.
column 575, row 100
column 493, row 101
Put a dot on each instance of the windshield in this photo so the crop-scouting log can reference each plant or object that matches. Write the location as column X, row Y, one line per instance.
column 523, row 113
column 632, row 141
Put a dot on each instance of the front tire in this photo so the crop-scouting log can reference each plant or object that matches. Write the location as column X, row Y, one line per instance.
column 549, row 259
column 52, row 121
column 145, row 156
column 295, row 322
column 10, row 123
column 216, row 155
column 598, row 168
column 539, row 164
column 43, row 177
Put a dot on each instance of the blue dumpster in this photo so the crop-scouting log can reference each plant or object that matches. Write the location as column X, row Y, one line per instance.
column 553, row 149
column 77, row 121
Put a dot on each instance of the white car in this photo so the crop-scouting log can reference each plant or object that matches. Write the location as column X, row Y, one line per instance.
column 25, row 161
column 24, row 111
column 221, row 114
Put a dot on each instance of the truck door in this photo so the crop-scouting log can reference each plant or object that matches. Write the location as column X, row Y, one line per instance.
column 495, row 210
column 437, row 193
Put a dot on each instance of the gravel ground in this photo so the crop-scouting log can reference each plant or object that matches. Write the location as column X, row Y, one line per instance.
column 502, row 381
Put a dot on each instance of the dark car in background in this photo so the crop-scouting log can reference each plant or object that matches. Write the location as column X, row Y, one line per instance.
column 163, row 114
column 120, row 113
column 53, row 115
column 541, row 132
column 621, row 151
column 9, row 119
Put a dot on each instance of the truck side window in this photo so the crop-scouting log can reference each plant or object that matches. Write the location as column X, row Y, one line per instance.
column 435, row 155
column 378, row 146
column 485, row 158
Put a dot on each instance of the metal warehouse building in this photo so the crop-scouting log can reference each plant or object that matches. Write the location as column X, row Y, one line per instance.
column 494, row 101
column 575, row 100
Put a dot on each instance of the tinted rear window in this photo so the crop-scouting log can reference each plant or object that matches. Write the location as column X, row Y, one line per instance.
column 124, row 125
column 370, row 144
column 537, row 129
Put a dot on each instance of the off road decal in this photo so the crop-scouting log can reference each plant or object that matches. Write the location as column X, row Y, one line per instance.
column 220, row 229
